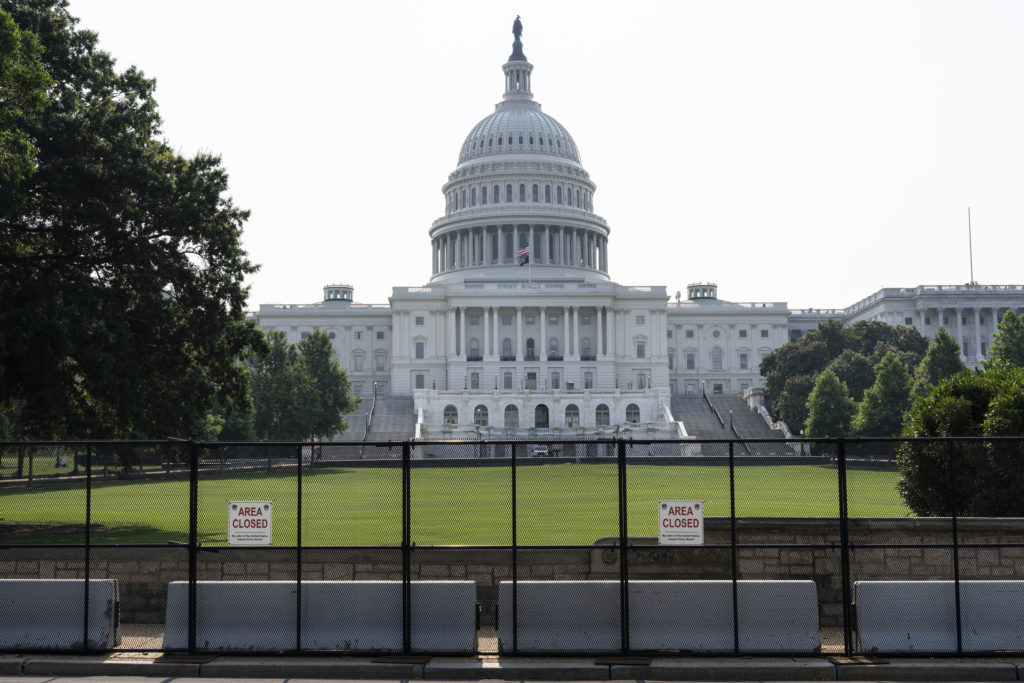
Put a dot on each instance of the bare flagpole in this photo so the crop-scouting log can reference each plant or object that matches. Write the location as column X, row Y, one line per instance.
column 970, row 243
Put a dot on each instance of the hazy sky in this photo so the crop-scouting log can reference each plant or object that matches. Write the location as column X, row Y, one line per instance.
column 807, row 152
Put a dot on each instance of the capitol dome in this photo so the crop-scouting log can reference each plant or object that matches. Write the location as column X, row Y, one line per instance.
column 519, row 195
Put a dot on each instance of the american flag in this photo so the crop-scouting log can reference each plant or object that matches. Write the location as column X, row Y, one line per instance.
column 525, row 251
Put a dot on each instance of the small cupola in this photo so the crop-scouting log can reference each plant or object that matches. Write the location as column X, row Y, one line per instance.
column 701, row 290
column 338, row 294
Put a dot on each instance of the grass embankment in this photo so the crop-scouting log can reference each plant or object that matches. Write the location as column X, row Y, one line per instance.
column 559, row 504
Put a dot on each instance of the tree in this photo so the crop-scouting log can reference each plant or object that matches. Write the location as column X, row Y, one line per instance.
column 881, row 412
column 989, row 475
column 854, row 370
column 941, row 361
column 121, row 269
column 829, row 407
column 327, row 392
column 1008, row 343
column 23, row 85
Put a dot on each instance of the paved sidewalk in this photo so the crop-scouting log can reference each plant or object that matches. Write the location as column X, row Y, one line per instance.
column 519, row 668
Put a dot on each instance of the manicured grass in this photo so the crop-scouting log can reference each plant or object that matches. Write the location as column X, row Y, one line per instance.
column 559, row 504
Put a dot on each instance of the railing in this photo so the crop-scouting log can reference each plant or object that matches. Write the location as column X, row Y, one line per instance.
column 479, row 513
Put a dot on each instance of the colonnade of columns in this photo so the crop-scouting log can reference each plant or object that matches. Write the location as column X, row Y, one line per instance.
column 983, row 323
column 498, row 244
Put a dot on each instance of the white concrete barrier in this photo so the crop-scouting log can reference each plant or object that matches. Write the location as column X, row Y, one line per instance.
column 49, row 614
column 692, row 616
column 336, row 615
column 920, row 616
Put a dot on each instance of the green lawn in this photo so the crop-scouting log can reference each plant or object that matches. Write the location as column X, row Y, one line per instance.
column 559, row 504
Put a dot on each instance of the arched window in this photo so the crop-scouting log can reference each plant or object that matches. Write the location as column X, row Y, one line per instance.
column 559, row 193
column 536, row 193
column 506, row 348
column 632, row 413
column 716, row 358
column 540, row 416
column 577, row 199
column 496, row 197
column 474, row 347
column 490, row 142
column 572, row 416
column 531, row 139
column 472, row 196
column 602, row 416
column 530, row 352
column 451, row 415
column 520, row 139
column 522, row 193
column 547, row 193
column 508, row 193
column 483, row 194
column 553, row 346
column 585, row 347
column 511, row 417
column 480, row 416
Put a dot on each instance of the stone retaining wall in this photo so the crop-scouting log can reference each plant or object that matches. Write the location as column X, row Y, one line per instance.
column 145, row 572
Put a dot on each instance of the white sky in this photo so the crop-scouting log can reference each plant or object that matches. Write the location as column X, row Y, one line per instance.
column 807, row 152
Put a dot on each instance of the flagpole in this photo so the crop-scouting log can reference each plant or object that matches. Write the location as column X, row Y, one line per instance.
column 529, row 274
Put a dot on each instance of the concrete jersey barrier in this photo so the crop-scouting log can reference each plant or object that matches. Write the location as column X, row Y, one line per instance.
column 692, row 616
column 363, row 616
column 920, row 616
column 49, row 614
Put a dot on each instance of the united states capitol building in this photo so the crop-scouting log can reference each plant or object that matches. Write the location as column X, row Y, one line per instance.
column 522, row 330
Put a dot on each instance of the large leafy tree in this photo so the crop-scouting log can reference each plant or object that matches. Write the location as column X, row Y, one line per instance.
column 984, row 478
column 327, row 392
column 941, row 361
column 829, row 407
column 787, row 368
column 881, row 411
column 855, row 370
column 1008, row 343
column 121, row 268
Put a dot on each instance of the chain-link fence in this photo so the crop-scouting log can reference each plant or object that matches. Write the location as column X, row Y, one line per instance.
column 600, row 547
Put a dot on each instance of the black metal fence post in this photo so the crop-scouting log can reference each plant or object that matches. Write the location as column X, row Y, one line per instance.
column 844, row 553
column 298, row 548
column 956, row 549
column 406, row 549
column 732, row 542
column 623, row 546
column 193, row 543
column 88, row 546
column 515, row 558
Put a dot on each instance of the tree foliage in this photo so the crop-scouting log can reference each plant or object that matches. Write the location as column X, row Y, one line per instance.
column 829, row 407
column 23, row 85
column 855, row 370
column 881, row 411
column 941, row 361
column 987, row 476
column 1008, row 342
column 786, row 369
column 299, row 390
column 121, row 268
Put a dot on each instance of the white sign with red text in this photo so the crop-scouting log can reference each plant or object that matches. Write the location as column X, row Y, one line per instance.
column 680, row 522
column 250, row 523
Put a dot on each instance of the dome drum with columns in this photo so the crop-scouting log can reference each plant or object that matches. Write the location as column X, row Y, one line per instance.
column 521, row 331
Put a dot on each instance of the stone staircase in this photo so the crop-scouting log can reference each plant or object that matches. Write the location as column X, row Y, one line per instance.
column 393, row 419
column 702, row 423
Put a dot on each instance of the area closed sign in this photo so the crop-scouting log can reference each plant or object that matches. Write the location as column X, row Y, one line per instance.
column 680, row 522
column 250, row 522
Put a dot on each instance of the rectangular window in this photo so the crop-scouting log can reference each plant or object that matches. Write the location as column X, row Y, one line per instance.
column 764, row 334
column 474, row 320
column 553, row 320
column 357, row 363
column 506, row 320
column 556, row 380
column 639, row 320
column 689, row 334
column 507, row 383
column 743, row 334
column 588, row 380
column 419, row 320
column 584, row 320
column 670, row 334
column 474, row 380
column 641, row 349
column 358, row 335
column 927, row 320
column 421, row 381
column 671, row 361
column 908, row 321
column 716, row 389
column 419, row 350
column 380, row 335
column 691, row 361
column 743, row 361
column 966, row 347
column 641, row 381
column 357, row 388
column 380, row 361
column 529, row 320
